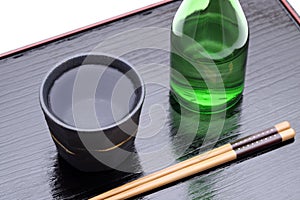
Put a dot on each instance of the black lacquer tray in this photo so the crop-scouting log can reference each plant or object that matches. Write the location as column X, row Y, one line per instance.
column 31, row 169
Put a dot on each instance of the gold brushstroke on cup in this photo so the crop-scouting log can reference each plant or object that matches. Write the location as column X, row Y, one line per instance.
column 99, row 150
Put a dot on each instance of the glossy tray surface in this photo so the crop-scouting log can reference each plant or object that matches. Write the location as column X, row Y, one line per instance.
column 31, row 169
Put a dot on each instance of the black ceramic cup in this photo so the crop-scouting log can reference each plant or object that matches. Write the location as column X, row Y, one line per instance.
column 92, row 104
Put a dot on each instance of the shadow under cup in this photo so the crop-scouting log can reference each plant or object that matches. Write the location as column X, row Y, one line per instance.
column 92, row 105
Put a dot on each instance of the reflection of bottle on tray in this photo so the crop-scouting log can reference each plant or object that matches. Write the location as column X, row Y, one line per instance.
column 195, row 133
column 209, row 43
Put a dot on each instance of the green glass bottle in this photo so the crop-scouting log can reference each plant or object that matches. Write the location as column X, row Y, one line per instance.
column 209, row 45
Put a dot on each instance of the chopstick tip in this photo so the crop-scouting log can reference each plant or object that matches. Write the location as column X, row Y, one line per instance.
column 287, row 134
column 283, row 126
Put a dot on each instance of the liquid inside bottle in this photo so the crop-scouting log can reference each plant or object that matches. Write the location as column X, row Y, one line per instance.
column 209, row 44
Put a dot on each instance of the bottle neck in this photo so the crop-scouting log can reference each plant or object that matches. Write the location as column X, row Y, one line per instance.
column 191, row 6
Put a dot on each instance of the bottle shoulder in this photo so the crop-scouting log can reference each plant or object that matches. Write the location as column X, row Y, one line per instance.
column 204, row 13
column 218, row 34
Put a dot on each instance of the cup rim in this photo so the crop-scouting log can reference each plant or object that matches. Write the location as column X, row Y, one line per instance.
column 128, row 116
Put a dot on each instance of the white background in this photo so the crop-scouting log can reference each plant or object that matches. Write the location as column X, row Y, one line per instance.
column 24, row 22
column 296, row 5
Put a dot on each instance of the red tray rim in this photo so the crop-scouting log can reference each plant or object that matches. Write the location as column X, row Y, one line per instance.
column 291, row 10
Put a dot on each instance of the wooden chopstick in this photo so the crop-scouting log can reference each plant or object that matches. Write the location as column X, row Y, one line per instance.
column 215, row 152
column 245, row 150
